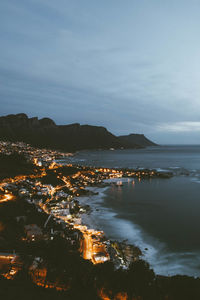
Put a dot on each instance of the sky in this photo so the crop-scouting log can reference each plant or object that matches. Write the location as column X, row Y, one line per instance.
column 132, row 66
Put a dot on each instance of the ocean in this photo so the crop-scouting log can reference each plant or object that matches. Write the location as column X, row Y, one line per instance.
column 161, row 216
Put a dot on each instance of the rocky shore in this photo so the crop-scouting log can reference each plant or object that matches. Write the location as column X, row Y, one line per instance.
column 45, row 226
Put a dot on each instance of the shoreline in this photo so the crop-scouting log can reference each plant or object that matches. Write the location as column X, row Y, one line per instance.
column 92, row 227
column 91, row 179
column 163, row 261
column 55, row 201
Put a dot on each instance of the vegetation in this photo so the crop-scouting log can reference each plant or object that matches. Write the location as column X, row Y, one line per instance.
column 82, row 279
column 14, row 164
column 59, row 256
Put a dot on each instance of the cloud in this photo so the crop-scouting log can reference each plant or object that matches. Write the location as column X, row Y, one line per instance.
column 179, row 127
column 132, row 67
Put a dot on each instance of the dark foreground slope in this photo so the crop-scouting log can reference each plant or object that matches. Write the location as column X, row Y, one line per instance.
column 13, row 165
column 45, row 133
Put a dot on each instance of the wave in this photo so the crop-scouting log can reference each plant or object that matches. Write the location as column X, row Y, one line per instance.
column 163, row 261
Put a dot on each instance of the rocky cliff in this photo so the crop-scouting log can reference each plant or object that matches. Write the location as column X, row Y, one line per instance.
column 45, row 133
column 135, row 139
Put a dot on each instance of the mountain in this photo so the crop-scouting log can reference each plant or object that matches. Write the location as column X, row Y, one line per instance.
column 45, row 133
column 135, row 139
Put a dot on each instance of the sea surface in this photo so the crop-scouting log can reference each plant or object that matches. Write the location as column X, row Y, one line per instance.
column 161, row 216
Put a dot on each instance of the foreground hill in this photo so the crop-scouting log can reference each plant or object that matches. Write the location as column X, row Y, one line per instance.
column 45, row 133
column 14, row 164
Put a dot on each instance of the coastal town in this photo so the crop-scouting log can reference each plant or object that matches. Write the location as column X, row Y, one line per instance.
column 44, row 209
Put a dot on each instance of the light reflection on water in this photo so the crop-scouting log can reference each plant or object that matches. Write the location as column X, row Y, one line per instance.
column 174, row 157
column 164, row 215
column 132, row 212
column 159, row 214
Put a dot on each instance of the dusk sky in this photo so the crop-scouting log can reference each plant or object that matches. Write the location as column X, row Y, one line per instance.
column 131, row 66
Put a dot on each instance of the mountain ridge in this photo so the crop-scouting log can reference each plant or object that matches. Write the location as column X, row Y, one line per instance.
column 70, row 137
column 137, row 138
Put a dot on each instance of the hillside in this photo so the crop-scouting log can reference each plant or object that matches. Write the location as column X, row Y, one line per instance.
column 45, row 133
column 136, row 139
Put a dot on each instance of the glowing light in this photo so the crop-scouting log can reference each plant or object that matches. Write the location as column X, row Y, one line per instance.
column 7, row 197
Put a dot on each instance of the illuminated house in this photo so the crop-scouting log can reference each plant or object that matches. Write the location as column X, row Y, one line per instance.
column 33, row 232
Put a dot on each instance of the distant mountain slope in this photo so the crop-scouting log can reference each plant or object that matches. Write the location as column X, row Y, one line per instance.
column 45, row 133
column 135, row 139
